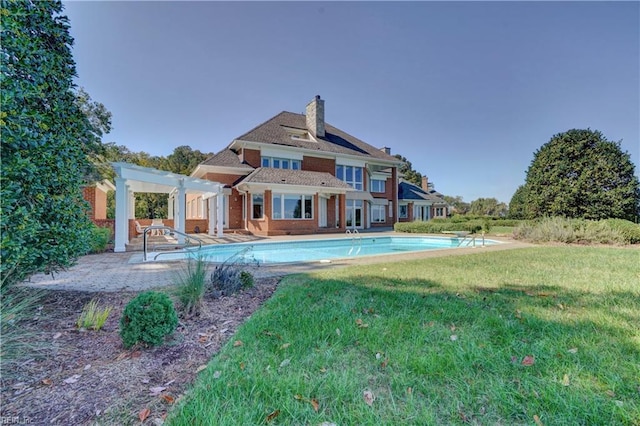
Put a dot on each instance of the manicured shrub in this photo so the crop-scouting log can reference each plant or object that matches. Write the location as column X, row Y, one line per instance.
column 148, row 318
column 433, row 227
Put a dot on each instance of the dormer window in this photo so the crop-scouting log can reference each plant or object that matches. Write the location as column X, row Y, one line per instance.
column 298, row 134
column 303, row 137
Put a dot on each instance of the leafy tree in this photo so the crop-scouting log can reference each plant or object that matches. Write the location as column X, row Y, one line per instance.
column 184, row 160
column 488, row 207
column 99, row 119
column 406, row 169
column 518, row 207
column 459, row 206
column 42, row 214
column 580, row 174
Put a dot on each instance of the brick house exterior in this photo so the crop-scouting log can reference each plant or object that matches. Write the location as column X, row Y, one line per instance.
column 297, row 174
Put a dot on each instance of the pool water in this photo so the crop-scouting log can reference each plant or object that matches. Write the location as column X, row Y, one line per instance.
column 326, row 249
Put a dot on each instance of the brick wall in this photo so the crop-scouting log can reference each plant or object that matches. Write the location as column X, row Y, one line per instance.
column 315, row 164
column 97, row 199
column 251, row 157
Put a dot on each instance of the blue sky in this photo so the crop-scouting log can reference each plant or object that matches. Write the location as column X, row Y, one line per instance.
column 467, row 91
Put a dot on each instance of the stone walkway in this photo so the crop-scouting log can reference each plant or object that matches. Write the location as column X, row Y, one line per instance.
column 115, row 272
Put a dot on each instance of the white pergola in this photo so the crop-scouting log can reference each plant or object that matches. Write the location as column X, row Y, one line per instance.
column 131, row 179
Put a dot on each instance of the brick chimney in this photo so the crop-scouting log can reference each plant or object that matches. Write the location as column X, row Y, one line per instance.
column 425, row 183
column 315, row 117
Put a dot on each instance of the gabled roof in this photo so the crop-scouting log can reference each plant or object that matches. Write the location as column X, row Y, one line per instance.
column 278, row 130
column 226, row 158
column 270, row 176
column 409, row 191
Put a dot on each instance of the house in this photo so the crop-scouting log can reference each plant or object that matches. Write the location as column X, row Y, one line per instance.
column 297, row 174
column 420, row 202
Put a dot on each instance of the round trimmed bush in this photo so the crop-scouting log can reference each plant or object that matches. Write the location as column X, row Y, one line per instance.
column 148, row 318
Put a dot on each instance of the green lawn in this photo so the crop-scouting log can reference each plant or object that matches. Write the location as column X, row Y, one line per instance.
column 547, row 334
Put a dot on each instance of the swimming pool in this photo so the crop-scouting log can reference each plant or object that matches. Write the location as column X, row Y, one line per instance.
column 271, row 252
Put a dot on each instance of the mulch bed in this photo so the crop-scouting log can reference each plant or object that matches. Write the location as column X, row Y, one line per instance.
column 87, row 377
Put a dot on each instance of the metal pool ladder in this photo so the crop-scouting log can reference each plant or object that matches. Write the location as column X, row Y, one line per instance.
column 186, row 246
column 357, row 238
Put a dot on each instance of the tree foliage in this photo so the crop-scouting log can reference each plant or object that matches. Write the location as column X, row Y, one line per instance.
column 406, row 169
column 45, row 136
column 579, row 174
column 459, row 206
column 488, row 207
column 518, row 207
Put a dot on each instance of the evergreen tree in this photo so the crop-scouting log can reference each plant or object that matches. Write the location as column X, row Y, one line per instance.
column 43, row 216
column 580, row 174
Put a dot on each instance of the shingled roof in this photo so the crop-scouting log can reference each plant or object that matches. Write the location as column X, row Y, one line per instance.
column 409, row 191
column 277, row 131
column 268, row 175
column 226, row 158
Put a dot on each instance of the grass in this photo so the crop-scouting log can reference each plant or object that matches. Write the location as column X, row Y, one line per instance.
column 438, row 341
column 191, row 285
column 92, row 316
column 17, row 305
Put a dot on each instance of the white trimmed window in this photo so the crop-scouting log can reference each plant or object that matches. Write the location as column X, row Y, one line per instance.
column 351, row 175
column 378, row 185
column 257, row 208
column 280, row 163
column 292, row 206
column 403, row 212
column 378, row 213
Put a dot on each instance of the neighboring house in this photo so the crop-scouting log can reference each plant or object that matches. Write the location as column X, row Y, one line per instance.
column 297, row 174
column 420, row 202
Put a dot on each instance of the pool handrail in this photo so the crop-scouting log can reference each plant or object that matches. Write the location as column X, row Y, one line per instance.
column 172, row 231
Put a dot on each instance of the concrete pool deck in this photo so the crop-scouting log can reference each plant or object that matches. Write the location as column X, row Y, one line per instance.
column 114, row 272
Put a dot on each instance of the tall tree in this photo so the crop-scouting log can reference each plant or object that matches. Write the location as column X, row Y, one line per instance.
column 42, row 213
column 406, row 169
column 580, row 174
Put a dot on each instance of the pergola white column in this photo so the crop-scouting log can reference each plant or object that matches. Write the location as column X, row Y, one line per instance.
column 180, row 214
column 219, row 213
column 170, row 206
column 122, row 231
column 132, row 205
column 216, row 211
column 212, row 209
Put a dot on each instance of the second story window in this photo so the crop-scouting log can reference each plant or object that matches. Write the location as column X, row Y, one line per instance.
column 280, row 163
column 351, row 175
column 378, row 185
